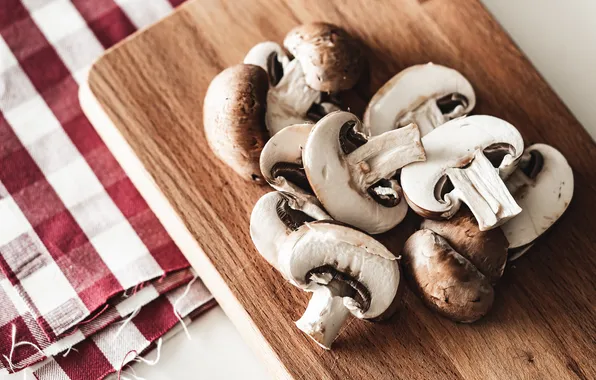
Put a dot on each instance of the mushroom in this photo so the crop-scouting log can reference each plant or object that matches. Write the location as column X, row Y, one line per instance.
column 271, row 58
column 275, row 216
column 459, row 168
column 486, row 250
column 289, row 100
column 445, row 280
column 543, row 187
column 331, row 59
column 353, row 177
column 428, row 95
column 234, row 118
column 347, row 271
column 281, row 160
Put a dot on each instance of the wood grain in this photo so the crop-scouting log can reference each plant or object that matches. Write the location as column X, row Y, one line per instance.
column 151, row 88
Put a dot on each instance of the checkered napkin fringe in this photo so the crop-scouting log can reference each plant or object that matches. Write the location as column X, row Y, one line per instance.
column 74, row 232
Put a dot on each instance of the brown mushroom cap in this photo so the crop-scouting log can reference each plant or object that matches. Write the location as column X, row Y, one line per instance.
column 487, row 250
column 234, row 118
column 330, row 58
column 446, row 281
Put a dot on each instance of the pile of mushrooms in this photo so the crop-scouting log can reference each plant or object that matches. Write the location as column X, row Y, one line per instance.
column 484, row 199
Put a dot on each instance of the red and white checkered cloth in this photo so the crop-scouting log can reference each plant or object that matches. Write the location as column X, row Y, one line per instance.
column 74, row 232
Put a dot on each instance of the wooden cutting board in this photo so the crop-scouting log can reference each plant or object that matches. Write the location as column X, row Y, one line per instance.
column 145, row 97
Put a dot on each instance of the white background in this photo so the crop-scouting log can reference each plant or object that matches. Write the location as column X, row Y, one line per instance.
column 558, row 36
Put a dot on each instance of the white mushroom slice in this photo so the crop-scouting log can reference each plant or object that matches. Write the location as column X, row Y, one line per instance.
column 275, row 216
column 281, row 159
column 543, row 187
column 347, row 271
column 270, row 57
column 353, row 177
column 457, row 153
column 428, row 95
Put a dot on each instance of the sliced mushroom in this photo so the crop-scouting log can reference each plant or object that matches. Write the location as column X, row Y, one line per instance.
column 234, row 118
column 466, row 159
column 281, row 160
column 428, row 95
column 331, row 59
column 347, row 271
column 353, row 177
column 275, row 216
column 486, row 250
column 271, row 58
column 445, row 280
column 543, row 187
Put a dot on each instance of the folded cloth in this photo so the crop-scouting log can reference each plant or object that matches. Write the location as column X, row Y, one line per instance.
column 15, row 315
column 111, row 349
column 74, row 232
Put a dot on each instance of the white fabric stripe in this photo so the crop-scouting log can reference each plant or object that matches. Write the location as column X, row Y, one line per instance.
column 143, row 12
column 140, row 298
column 115, row 347
column 57, row 19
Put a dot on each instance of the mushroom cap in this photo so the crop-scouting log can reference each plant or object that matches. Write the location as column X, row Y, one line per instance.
column 409, row 89
column 234, row 118
column 281, row 159
column 454, row 145
column 275, row 216
column 331, row 59
column 487, row 250
column 334, row 184
column 543, row 199
column 320, row 248
column 270, row 57
column 445, row 280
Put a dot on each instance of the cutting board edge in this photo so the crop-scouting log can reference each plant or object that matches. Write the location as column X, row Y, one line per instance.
column 174, row 226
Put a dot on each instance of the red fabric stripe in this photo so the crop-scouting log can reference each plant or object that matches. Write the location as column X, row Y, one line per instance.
column 175, row 3
column 60, row 233
column 88, row 363
column 106, row 20
column 10, row 12
column 152, row 328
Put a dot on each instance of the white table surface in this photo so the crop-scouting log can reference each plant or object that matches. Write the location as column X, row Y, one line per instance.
column 558, row 36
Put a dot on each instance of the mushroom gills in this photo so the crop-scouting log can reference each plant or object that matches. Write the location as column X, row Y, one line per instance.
column 275, row 69
column 386, row 192
column 349, row 138
column 346, row 285
column 291, row 217
column 293, row 173
column 452, row 104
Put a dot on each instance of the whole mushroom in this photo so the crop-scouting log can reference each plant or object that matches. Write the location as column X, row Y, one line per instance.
column 331, row 59
column 353, row 177
column 543, row 187
column 444, row 279
column 428, row 95
column 467, row 159
column 347, row 271
column 234, row 118
column 486, row 250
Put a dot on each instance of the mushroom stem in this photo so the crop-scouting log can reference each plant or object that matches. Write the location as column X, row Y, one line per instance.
column 290, row 100
column 482, row 189
column 324, row 315
column 384, row 154
column 426, row 116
